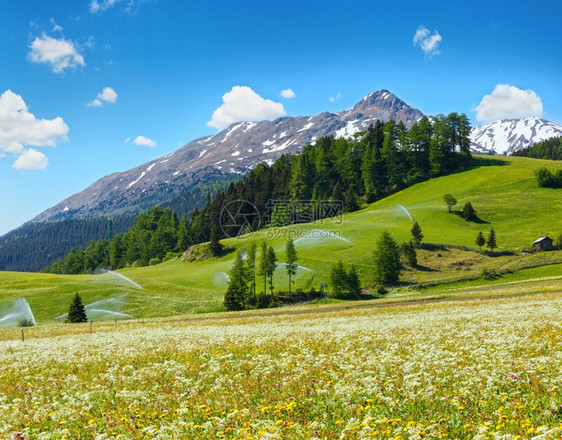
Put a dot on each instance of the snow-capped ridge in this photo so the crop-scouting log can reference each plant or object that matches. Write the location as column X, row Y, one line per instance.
column 509, row 135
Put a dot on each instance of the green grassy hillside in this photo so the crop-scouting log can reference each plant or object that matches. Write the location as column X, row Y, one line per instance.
column 502, row 190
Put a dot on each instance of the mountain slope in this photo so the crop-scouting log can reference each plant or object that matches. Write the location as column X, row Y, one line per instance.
column 228, row 153
column 509, row 135
column 503, row 191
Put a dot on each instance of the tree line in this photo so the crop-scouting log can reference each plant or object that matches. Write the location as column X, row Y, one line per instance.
column 548, row 149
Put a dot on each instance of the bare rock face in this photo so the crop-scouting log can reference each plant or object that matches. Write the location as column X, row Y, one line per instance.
column 231, row 152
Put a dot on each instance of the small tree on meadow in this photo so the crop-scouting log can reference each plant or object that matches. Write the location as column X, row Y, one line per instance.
column 237, row 292
column 450, row 201
column 353, row 281
column 251, row 266
column 480, row 240
column 338, row 280
column 270, row 266
column 417, row 235
column 387, row 260
column 468, row 212
column 76, row 311
column 291, row 258
column 408, row 251
column 491, row 241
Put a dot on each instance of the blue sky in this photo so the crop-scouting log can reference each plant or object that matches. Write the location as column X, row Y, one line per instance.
column 78, row 79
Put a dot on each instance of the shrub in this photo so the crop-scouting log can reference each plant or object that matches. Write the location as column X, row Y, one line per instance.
column 263, row 300
column 489, row 274
column 468, row 212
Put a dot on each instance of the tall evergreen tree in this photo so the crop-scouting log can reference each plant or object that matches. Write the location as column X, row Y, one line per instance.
column 417, row 235
column 291, row 259
column 338, row 280
column 76, row 311
column 353, row 281
column 480, row 240
column 408, row 251
column 236, row 294
column 251, row 264
column 271, row 265
column 262, row 269
column 491, row 241
column 214, row 245
column 387, row 260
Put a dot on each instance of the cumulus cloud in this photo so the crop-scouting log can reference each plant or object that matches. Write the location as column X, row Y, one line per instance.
column 287, row 94
column 19, row 127
column 60, row 54
column 31, row 159
column 243, row 104
column 428, row 42
column 106, row 95
column 508, row 102
column 335, row 98
column 144, row 141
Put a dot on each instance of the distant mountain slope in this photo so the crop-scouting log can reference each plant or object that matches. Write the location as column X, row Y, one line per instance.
column 224, row 155
column 509, row 135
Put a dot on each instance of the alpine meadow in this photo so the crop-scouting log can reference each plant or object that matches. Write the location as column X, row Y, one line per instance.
column 280, row 220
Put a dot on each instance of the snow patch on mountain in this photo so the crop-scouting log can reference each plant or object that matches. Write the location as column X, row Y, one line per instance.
column 510, row 135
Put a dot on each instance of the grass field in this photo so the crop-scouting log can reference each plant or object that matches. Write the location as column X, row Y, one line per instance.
column 502, row 190
column 475, row 369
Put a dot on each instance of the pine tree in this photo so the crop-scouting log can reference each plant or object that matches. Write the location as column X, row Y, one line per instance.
column 270, row 266
column 417, row 235
column 76, row 311
column 251, row 265
column 387, row 260
column 214, row 245
column 262, row 269
column 450, row 201
column 338, row 280
column 350, row 200
column 291, row 258
column 468, row 212
column 480, row 240
column 409, row 254
column 491, row 241
column 353, row 281
column 237, row 292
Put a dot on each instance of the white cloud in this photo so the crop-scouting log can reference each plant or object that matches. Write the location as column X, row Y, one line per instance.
column 508, row 102
column 59, row 53
column 106, row 95
column 19, row 127
column 131, row 6
column 127, row 140
column 287, row 93
column 144, row 141
column 243, row 104
column 96, row 6
column 56, row 27
column 31, row 159
column 95, row 103
column 429, row 43
column 335, row 98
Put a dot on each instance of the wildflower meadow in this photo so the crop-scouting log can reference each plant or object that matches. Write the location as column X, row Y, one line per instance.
column 478, row 370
